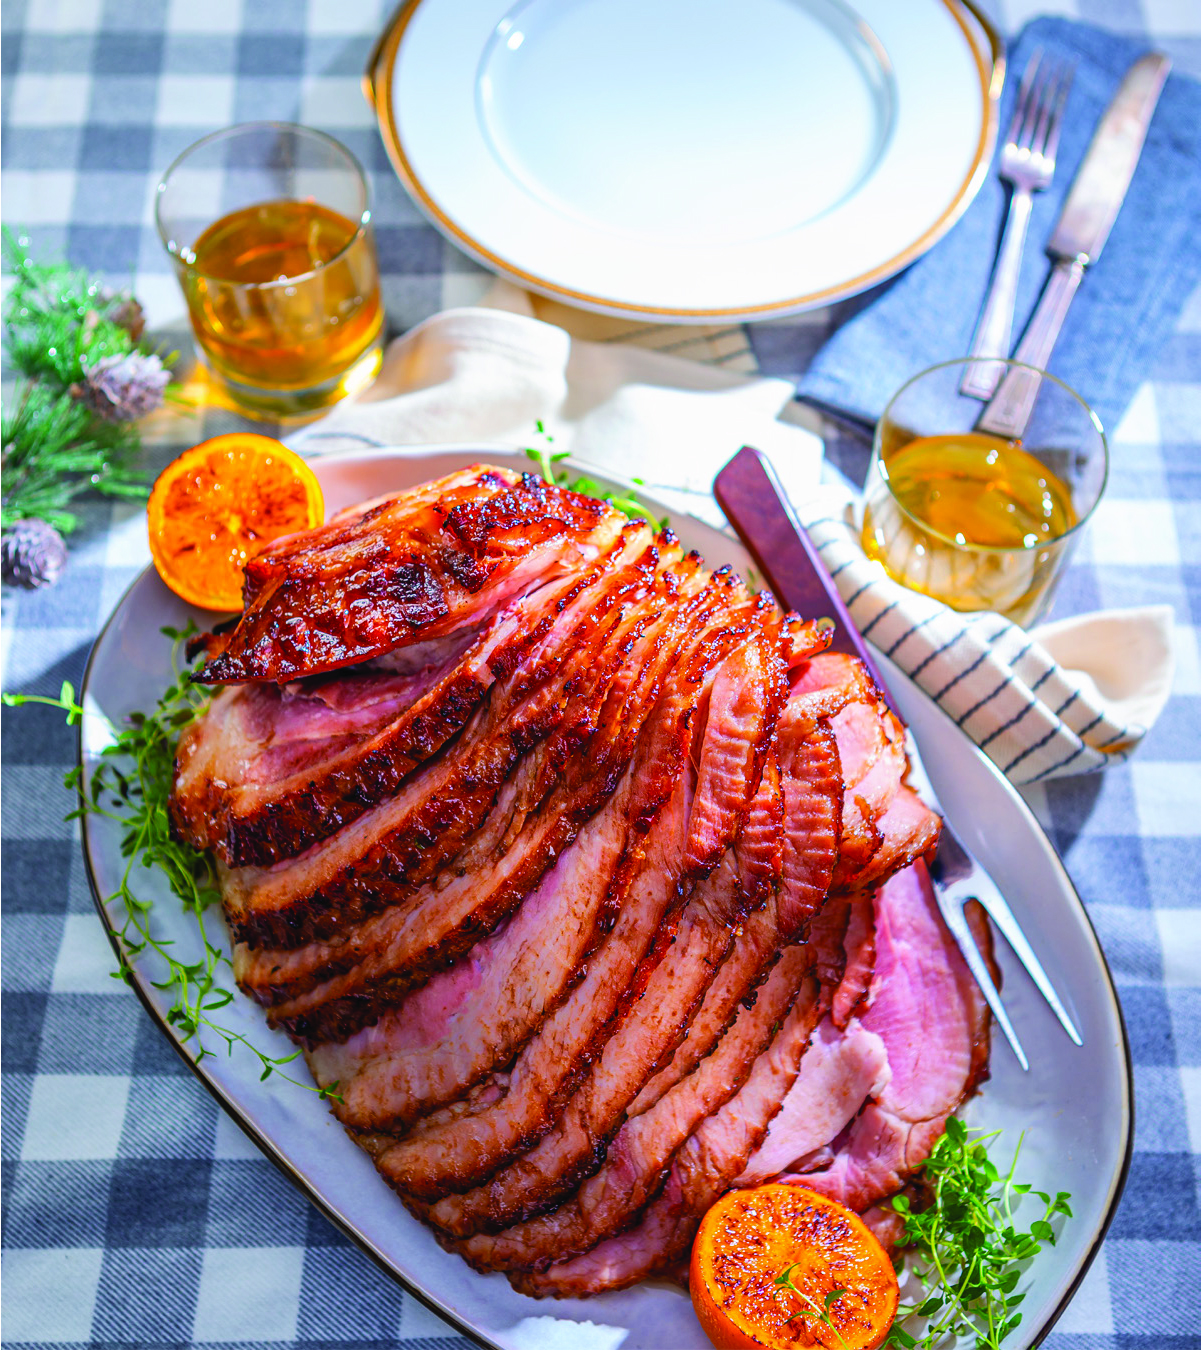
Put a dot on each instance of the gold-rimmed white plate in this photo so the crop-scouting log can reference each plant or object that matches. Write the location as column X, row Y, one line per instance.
column 1075, row 1105
column 689, row 160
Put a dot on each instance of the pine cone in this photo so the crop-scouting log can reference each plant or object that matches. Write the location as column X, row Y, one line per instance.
column 124, row 388
column 129, row 315
column 32, row 554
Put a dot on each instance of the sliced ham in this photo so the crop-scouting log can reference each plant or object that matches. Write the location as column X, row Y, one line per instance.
column 642, row 1040
column 273, row 766
column 704, row 1167
column 637, row 1160
column 412, row 835
column 401, row 569
column 934, row 1024
column 448, row 1035
column 859, row 948
column 459, row 1149
column 841, row 1069
column 555, row 850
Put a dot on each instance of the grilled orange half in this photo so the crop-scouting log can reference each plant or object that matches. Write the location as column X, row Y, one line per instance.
column 218, row 505
column 842, row 1291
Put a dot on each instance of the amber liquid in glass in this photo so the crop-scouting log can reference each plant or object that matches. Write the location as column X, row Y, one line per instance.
column 970, row 519
column 284, row 295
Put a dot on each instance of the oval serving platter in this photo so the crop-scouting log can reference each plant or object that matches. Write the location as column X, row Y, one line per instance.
column 1075, row 1105
column 684, row 160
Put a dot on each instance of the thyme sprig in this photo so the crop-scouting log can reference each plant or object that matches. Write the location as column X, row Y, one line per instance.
column 823, row 1314
column 971, row 1250
column 130, row 787
column 546, row 459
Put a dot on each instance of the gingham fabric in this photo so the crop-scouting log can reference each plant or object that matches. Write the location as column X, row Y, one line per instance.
column 133, row 1212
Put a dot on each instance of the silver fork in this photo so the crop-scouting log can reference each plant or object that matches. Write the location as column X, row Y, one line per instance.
column 1028, row 163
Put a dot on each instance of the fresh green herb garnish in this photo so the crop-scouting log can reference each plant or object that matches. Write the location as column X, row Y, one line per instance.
column 971, row 1253
column 546, row 460
column 131, row 786
column 823, row 1314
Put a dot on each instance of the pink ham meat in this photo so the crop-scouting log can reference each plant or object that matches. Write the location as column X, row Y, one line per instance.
column 702, row 1170
column 555, row 850
column 447, row 1036
column 457, row 1149
column 924, row 983
column 272, row 766
column 745, row 702
column 639, row 1156
column 688, row 1091
column 461, row 1147
column 374, row 1097
column 369, row 983
column 872, row 753
column 641, row 1041
column 934, row 1025
column 859, row 948
column 427, row 821
column 840, row 1070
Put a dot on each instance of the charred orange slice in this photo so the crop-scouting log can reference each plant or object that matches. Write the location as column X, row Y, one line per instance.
column 218, row 505
column 781, row 1266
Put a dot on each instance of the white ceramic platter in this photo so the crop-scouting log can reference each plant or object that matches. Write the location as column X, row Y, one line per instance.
column 1075, row 1104
column 689, row 159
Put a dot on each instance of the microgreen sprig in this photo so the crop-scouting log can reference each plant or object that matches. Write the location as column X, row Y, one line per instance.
column 546, row 459
column 785, row 1281
column 971, row 1252
column 131, row 786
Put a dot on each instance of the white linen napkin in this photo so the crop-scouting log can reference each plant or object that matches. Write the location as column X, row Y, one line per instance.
column 1064, row 698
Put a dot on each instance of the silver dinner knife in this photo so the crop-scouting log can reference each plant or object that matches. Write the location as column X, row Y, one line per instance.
column 1085, row 222
column 754, row 501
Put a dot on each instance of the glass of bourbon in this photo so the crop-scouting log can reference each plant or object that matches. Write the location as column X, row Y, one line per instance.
column 269, row 228
column 971, row 518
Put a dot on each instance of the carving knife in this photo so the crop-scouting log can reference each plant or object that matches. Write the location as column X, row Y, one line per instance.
column 754, row 501
column 1089, row 211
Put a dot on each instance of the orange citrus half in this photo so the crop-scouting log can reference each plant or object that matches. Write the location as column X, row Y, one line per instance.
column 841, row 1293
column 219, row 504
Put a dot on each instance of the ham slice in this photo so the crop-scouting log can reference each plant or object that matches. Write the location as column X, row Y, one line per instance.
column 840, row 1070
column 638, row 1157
column 401, row 569
column 461, row 1148
column 448, row 1035
column 271, row 767
column 934, row 1025
column 596, row 655
column 859, row 948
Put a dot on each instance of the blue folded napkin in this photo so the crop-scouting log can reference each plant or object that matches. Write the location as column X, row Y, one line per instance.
column 1128, row 301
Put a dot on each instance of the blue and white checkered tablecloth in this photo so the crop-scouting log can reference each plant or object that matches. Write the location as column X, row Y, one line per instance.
column 134, row 1213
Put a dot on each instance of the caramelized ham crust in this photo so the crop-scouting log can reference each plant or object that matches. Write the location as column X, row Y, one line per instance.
column 568, row 863
column 402, row 569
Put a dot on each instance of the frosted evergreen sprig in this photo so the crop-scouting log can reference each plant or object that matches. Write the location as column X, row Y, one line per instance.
column 84, row 375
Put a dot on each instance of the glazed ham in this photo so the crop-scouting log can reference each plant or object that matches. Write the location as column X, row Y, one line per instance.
column 585, row 878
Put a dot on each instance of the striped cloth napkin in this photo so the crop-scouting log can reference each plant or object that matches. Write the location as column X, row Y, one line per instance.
column 1065, row 698
column 1062, row 698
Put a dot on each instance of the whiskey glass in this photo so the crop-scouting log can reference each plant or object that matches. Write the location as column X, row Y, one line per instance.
column 268, row 226
column 973, row 520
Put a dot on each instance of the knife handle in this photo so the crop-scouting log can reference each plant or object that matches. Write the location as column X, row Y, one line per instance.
column 1009, row 410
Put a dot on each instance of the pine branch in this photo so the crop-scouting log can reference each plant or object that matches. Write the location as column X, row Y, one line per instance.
column 60, row 324
column 53, row 449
